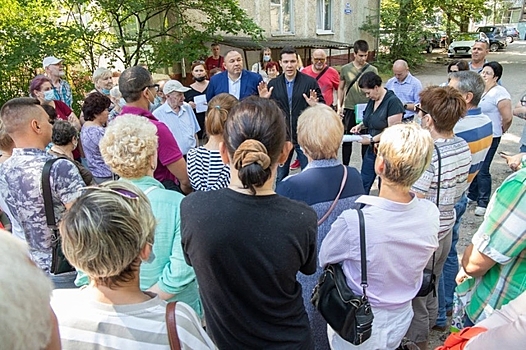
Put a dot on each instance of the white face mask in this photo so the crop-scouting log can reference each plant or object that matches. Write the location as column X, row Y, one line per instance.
column 266, row 58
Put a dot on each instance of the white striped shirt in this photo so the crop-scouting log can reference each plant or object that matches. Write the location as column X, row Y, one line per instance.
column 206, row 170
column 456, row 161
column 86, row 324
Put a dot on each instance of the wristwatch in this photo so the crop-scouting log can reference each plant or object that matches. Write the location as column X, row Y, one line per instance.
column 371, row 140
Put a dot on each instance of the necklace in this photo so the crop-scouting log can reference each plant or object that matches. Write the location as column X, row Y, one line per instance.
column 259, row 192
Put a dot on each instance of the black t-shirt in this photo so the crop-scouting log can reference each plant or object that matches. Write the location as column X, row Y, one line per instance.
column 246, row 251
column 189, row 97
column 376, row 121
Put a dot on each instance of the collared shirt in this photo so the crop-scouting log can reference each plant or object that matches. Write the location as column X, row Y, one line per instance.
column 501, row 237
column 393, row 279
column 328, row 82
column 408, row 91
column 20, row 186
column 476, row 129
column 234, row 86
column 182, row 124
column 168, row 151
column 63, row 92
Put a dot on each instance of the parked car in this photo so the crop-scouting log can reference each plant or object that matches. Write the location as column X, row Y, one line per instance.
column 430, row 41
column 496, row 36
column 462, row 44
column 511, row 34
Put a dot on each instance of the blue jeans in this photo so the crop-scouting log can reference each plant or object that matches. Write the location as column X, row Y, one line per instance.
column 368, row 173
column 283, row 171
column 480, row 188
column 64, row 280
column 447, row 284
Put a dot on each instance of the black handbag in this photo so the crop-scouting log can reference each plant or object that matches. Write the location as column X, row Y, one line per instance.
column 429, row 278
column 350, row 315
column 59, row 263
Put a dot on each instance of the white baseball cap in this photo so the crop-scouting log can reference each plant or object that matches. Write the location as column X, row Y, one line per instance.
column 174, row 85
column 50, row 60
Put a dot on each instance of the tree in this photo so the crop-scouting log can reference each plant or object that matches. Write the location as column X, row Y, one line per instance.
column 158, row 32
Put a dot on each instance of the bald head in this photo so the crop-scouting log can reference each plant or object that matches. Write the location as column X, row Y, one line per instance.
column 400, row 70
column 319, row 60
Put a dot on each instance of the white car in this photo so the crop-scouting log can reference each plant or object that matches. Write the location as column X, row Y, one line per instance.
column 463, row 42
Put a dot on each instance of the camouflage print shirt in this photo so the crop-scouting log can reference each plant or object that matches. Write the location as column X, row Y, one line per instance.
column 21, row 187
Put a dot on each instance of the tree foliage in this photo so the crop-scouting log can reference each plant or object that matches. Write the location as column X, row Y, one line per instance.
column 157, row 32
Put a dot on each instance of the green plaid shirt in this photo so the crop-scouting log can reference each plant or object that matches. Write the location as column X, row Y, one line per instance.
column 502, row 237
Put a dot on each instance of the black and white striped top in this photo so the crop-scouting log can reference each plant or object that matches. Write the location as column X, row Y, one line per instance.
column 206, row 170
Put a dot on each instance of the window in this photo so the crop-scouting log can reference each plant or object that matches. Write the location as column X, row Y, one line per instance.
column 324, row 16
column 281, row 17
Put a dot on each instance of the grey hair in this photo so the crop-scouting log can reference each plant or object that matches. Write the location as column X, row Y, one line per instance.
column 100, row 73
column 469, row 81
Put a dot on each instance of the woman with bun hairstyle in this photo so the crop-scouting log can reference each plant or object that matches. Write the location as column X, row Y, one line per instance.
column 247, row 252
column 206, row 169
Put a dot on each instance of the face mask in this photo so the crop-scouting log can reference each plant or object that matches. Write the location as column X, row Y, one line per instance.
column 49, row 95
column 105, row 91
column 266, row 58
column 200, row 79
column 151, row 258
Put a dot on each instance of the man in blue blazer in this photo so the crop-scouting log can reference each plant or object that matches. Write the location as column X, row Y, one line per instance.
column 234, row 80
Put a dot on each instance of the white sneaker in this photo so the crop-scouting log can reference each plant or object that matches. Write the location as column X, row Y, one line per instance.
column 480, row 211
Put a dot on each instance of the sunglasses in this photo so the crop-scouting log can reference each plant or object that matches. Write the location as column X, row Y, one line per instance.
column 419, row 109
column 120, row 191
column 319, row 59
column 198, row 62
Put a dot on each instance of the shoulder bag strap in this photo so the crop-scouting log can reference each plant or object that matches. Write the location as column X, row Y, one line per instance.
column 356, row 78
column 344, row 180
column 438, row 196
column 48, row 197
column 322, row 72
column 171, row 325
column 363, row 256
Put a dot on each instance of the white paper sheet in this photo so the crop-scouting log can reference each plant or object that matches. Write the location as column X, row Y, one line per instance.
column 200, row 103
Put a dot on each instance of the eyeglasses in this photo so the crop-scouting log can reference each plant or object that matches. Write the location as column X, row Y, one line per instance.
column 418, row 109
column 156, row 86
column 319, row 59
column 120, row 191
column 523, row 102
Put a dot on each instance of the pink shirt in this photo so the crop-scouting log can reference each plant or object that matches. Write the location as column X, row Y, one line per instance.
column 400, row 240
column 329, row 82
column 168, row 151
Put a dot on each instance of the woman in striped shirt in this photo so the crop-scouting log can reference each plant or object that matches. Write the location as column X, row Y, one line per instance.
column 206, row 169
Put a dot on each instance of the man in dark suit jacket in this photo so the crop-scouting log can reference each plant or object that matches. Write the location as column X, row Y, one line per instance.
column 294, row 92
column 234, row 80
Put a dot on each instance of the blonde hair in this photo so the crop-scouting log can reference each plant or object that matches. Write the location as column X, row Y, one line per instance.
column 24, row 298
column 217, row 112
column 407, row 150
column 100, row 73
column 128, row 144
column 104, row 231
column 320, row 132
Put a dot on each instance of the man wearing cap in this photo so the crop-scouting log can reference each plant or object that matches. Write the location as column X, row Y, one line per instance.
column 55, row 72
column 137, row 88
column 178, row 116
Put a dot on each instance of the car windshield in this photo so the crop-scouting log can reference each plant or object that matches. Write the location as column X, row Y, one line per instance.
column 466, row 36
column 486, row 29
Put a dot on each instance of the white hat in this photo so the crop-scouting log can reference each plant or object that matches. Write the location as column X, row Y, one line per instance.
column 50, row 60
column 174, row 85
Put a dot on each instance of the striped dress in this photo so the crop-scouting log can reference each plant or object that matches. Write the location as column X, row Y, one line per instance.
column 86, row 324
column 206, row 170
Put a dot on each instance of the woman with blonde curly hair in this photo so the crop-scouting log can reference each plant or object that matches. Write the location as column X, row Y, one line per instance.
column 109, row 233
column 252, row 243
column 206, row 169
column 129, row 147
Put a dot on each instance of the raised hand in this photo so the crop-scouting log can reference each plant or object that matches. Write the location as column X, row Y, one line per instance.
column 312, row 99
column 264, row 91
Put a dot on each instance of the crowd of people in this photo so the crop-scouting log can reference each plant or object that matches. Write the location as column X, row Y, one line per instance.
column 165, row 193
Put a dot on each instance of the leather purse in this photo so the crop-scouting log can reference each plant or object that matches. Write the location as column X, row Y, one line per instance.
column 350, row 315
column 429, row 278
column 59, row 263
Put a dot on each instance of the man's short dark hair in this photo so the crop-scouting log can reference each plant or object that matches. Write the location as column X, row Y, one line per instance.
column 288, row 50
column 17, row 111
column 133, row 81
column 361, row 45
